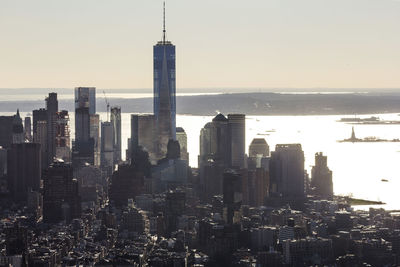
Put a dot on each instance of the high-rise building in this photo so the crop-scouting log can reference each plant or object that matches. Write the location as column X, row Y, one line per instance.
column 82, row 124
column 86, row 97
column 95, row 136
column 28, row 129
column 258, row 154
column 143, row 133
column 232, row 194
column 24, row 169
column 52, row 109
column 38, row 115
column 3, row 162
column 164, row 92
column 61, row 200
column 258, row 147
column 107, row 145
column 116, row 122
column 181, row 137
column 237, row 140
column 214, row 142
column 11, row 130
column 40, row 137
column 63, row 142
column 287, row 171
column 321, row 176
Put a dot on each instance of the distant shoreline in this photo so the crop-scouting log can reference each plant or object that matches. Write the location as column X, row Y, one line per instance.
column 252, row 104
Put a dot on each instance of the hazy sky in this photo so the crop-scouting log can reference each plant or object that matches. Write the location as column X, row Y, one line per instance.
column 220, row 43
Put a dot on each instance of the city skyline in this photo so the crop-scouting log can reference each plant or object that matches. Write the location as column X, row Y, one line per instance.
column 334, row 44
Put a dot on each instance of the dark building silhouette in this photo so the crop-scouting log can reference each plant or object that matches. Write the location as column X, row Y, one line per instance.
column 232, row 194
column 11, row 130
column 52, row 109
column 62, row 137
column 61, row 200
column 24, row 170
column 129, row 180
column 287, row 171
column 258, row 154
column 258, row 147
column 237, row 140
column 321, row 177
column 38, row 115
column 181, row 137
column 28, row 129
column 174, row 207
column 85, row 148
column 143, row 134
column 16, row 239
column 116, row 122
column 214, row 142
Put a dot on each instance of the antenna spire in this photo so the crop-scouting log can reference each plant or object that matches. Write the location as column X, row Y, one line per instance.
column 164, row 31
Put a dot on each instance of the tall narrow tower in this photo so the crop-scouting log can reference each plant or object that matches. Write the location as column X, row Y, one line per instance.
column 164, row 91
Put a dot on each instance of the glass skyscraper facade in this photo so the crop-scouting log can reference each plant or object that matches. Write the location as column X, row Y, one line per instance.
column 165, row 87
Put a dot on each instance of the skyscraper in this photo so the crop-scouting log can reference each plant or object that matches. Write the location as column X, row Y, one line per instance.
column 24, row 169
column 107, row 145
column 52, row 109
column 164, row 91
column 287, row 171
column 61, row 200
column 214, row 142
column 116, row 122
column 86, row 97
column 321, row 176
column 86, row 143
column 237, row 139
column 143, row 134
column 63, row 142
column 28, row 129
column 182, row 139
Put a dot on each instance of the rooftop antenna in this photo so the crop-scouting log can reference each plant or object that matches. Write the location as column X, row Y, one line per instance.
column 164, row 31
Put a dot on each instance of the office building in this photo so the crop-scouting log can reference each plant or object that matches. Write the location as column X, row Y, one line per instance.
column 11, row 130
column 52, row 109
column 40, row 137
column 3, row 162
column 214, row 142
column 258, row 154
column 107, row 145
column 61, row 201
column 62, row 138
column 24, row 170
column 95, row 136
column 86, row 97
column 38, row 115
column 116, row 122
column 258, row 147
column 28, row 129
column 164, row 92
column 86, row 146
column 175, row 203
column 143, row 132
column 287, row 171
column 321, row 177
column 181, row 137
column 232, row 194
column 237, row 140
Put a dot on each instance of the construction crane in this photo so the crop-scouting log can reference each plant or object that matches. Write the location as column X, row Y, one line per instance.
column 107, row 103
